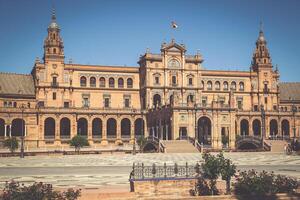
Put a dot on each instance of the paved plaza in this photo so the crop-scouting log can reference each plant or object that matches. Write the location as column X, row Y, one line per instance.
column 111, row 170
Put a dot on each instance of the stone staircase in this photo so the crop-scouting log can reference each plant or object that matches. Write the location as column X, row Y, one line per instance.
column 276, row 145
column 179, row 146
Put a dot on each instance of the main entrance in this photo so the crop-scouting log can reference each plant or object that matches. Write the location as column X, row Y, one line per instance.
column 204, row 130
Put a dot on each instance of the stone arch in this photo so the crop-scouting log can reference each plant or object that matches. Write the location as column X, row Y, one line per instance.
column 233, row 85
column 156, row 100
column 92, row 82
column 256, row 127
column 111, row 126
column 49, row 128
column 273, row 128
column 111, row 82
column 120, row 83
column 83, row 81
column 225, row 85
column 102, row 82
column 139, row 127
column 285, row 128
column 129, row 83
column 18, row 127
column 65, row 127
column 204, row 130
column 125, row 128
column 2, row 127
column 244, row 127
column 96, row 127
column 82, row 127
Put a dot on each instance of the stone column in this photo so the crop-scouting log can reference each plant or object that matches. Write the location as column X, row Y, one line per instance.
column 250, row 127
column 57, row 128
column 146, row 129
column 73, row 126
column 5, row 130
column 167, row 132
column 90, row 126
column 132, row 135
column 118, row 139
column 10, row 130
column 104, row 132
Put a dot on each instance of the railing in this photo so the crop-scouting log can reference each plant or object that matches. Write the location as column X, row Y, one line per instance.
column 160, row 146
column 195, row 143
column 49, row 137
column 141, row 172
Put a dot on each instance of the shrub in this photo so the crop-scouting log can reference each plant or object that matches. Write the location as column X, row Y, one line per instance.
column 11, row 143
column 141, row 141
column 202, row 188
column 225, row 139
column 263, row 184
column 79, row 141
column 37, row 191
column 228, row 170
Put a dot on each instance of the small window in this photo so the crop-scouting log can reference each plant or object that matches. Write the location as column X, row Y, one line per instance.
column 5, row 103
column 240, row 104
column 86, row 102
column 266, row 100
column 255, row 107
column 233, row 86
column 15, row 104
column 111, row 82
column 120, row 83
column 41, row 104
column 102, row 82
column 66, row 104
column 106, row 102
column 82, row 81
column 190, row 98
column 204, row 102
column 92, row 82
column 209, row 85
column 225, row 85
column 10, row 104
column 157, row 80
column 217, row 85
column 129, row 83
column 241, row 84
column 126, row 103
column 174, row 80
column 274, row 107
column 54, row 50
column 190, row 81
column 54, row 95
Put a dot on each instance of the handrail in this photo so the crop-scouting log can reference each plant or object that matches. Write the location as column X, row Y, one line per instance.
column 195, row 143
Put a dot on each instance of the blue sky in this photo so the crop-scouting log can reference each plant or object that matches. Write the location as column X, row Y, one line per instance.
column 117, row 32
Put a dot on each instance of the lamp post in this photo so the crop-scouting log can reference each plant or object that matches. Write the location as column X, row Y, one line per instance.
column 263, row 121
column 294, row 110
column 22, row 107
column 196, row 135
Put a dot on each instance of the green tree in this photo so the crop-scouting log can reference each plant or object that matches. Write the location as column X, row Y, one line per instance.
column 79, row 141
column 11, row 143
column 141, row 141
column 227, row 170
column 211, row 169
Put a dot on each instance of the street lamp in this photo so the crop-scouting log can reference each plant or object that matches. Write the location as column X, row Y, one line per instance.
column 294, row 110
column 22, row 107
column 263, row 119
column 196, row 135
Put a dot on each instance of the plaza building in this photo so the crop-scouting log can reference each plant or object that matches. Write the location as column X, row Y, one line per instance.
column 170, row 96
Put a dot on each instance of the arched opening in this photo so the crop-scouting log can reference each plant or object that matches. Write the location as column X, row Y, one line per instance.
column 18, row 127
column 190, row 98
column 49, row 128
column 150, row 148
column 97, row 128
column 285, row 126
column 111, row 82
column 2, row 127
column 233, row 85
column 273, row 128
column 129, row 83
column 209, row 85
column 225, row 85
column 111, row 128
column 217, row 85
column 174, row 81
column 171, row 99
column 120, row 83
column 82, row 81
column 125, row 128
column 156, row 100
column 82, row 127
column 65, row 128
column 244, row 127
column 204, row 130
column 241, row 84
column 256, row 127
column 92, row 82
column 248, row 146
column 139, row 128
column 102, row 82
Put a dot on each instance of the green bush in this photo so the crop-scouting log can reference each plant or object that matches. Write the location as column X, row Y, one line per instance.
column 79, row 141
column 202, row 188
column 261, row 185
column 227, row 170
column 141, row 141
column 11, row 143
column 38, row 191
column 225, row 139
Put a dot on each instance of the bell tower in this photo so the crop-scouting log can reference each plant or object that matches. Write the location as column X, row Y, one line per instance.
column 53, row 44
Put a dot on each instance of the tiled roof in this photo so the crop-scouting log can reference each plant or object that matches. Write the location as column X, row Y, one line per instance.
column 289, row 91
column 16, row 84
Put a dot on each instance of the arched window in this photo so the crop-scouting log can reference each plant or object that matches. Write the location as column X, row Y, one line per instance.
column 190, row 81
column 209, row 85
column 82, row 81
column 225, row 85
column 202, row 85
column 241, row 84
column 217, row 85
column 129, row 83
column 92, row 82
column 54, row 50
column 233, row 85
column 156, row 100
column 120, row 83
column 190, row 98
column 174, row 81
column 111, row 82
column 102, row 82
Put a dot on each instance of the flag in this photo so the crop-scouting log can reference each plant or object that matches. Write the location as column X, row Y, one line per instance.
column 174, row 25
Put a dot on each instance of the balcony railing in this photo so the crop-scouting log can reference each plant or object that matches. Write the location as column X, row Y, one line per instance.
column 49, row 137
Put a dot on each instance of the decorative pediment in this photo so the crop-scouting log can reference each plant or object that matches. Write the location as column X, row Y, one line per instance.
column 173, row 47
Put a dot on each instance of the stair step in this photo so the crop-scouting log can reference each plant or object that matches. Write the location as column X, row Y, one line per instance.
column 179, row 146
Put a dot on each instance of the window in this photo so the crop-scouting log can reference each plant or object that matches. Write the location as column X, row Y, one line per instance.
column 266, row 100
column 10, row 104
column 126, row 103
column 102, row 82
column 241, row 86
column 265, row 87
column 120, row 83
column 54, row 80
column 86, row 102
column 15, row 104
column 66, row 104
column 255, row 107
column 106, row 102
column 217, row 85
column 225, row 85
column 54, row 95
column 82, row 81
column 5, row 103
column 209, row 85
column 190, row 98
column 204, row 101
column 54, row 50
column 129, row 83
column 41, row 104
column 240, row 104
column 111, row 82
column 92, row 82
column 156, row 82
column 173, row 80
column 233, row 86
column 190, row 81
column 274, row 107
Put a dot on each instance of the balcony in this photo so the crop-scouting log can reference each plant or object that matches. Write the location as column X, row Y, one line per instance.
column 54, row 84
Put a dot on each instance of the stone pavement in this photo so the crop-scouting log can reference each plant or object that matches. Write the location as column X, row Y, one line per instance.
column 112, row 170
